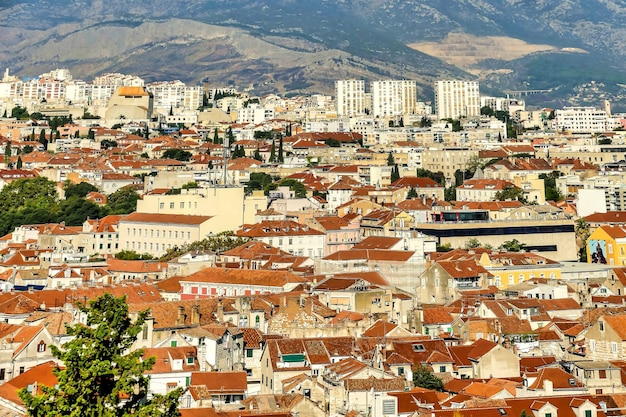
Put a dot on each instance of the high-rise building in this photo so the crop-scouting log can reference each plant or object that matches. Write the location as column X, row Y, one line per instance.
column 393, row 97
column 349, row 97
column 456, row 98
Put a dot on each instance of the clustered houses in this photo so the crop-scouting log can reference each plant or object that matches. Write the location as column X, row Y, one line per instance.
column 371, row 247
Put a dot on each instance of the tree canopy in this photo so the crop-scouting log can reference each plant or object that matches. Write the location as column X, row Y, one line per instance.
column 219, row 243
column 102, row 376
column 423, row 377
column 178, row 154
column 79, row 190
column 123, row 201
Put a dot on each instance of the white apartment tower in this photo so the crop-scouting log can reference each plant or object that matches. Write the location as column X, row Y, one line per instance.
column 456, row 98
column 393, row 97
column 350, row 97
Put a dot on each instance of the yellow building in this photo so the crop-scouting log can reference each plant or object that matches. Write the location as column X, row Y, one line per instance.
column 607, row 245
column 511, row 268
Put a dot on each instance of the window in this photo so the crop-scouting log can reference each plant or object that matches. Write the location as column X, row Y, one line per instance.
column 613, row 347
column 41, row 347
column 602, row 374
column 400, row 370
column 601, row 325
column 2, row 374
column 21, row 370
column 587, row 413
column 389, row 407
column 442, row 368
column 145, row 333
column 173, row 343
column 249, row 353
column 190, row 360
column 171, row 205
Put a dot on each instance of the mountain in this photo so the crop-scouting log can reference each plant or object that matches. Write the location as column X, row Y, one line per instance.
column 573, row 49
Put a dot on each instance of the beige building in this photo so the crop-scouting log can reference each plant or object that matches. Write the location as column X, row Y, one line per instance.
column 456, row 98
column 129, row 104
column 157, row 233
column 227, row 205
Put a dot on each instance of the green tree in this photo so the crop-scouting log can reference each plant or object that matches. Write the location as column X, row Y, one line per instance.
column 123, row 201
column 178, row 154
column 391, row 161
column 131, row 255
column 395, row 173
column 107, row 144
column 425, row 122
column 294, row 185
column 216, row 137
column 258, row 181
column 91, row 134
column 102, row 375
column 26, row 150
column 582, row 229
column 78, row 190
column 472, row 243
column 333, row 143
column 273, row 152
column 486, row 111
column 38, row 192
column 43, row 139
column 221, row 242
column 257, row 155
column 75, row 210
column 7, row 153
column 511, row 192
column 411, row 194
column 19, row 162
column 513, row 245
column 449, row 194
column 424, row 378
column 57, row 136
column 281, row 157
column 19, row 113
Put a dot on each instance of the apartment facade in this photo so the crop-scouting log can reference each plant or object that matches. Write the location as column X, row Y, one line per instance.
column 393, row 97
column 457, row 98
column 350, row 97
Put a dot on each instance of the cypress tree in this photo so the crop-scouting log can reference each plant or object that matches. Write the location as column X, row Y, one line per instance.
column 273, row 152
column 281, row 157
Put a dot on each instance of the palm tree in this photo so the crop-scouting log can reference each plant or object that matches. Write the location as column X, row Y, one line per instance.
column 583, row 231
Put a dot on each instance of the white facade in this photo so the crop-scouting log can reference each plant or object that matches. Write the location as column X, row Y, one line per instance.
column 350, row 97
column 393, row 97
column 581, row 119
column 456, row 98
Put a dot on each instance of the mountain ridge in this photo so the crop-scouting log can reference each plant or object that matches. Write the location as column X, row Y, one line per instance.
column 353, row 38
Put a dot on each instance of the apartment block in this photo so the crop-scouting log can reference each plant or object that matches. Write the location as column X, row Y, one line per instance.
column 393, row 97
column 350, row 97
column 456, row 98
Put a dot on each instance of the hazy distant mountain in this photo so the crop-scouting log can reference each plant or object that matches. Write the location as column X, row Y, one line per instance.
column 572, row 48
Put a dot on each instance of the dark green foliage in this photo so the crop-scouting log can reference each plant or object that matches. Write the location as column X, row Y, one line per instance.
column 123, row 201
column 549, row 183
column 19, row 113
column 449, row 194
column 425, row 122
column 455, row 124
column 333, row 143
column 424, row 378
column 395, row 173
column 38, row 192
column 19, row 161
column 178, row 154
column 131, row 255
column 511, row 192
column 101, row 369
column 605, row 141
column 281, row 157
column 91, row 134
column 221, row 242
column 513, row 245
column 257, row 155
column 486, row 111
column 438, row 176
column 294, row 185
column 78, row 190
column 258, row 181
column 26, row 150
column 273, row 152
column 75, row 210
column 391, row 161
column 411, row 194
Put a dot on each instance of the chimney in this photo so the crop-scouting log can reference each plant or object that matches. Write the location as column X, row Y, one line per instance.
column 180, row 320
column 548, row 387
column 195, row 314
column 220, row 310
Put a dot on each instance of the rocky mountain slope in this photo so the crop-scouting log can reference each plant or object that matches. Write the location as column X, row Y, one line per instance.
column 295, row 46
